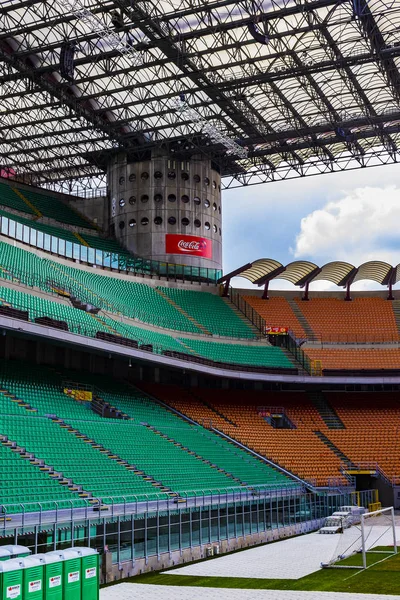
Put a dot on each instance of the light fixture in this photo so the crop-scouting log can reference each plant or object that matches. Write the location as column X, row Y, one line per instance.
column 232, row 148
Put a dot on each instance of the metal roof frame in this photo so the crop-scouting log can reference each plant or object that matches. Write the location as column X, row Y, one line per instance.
column 321, row 95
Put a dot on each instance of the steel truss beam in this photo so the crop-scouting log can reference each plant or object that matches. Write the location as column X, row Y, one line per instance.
column 275, row 98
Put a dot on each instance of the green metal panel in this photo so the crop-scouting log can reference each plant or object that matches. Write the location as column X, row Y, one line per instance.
column 11, row 580
column 53, row 576
column 53, row 581
column 32, row 578
column 72, row 577
column 90, row 577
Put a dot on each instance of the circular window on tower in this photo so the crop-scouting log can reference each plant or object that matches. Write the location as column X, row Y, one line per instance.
column 122, row 202
column 132, row 200
column 207, row 203
column 172, row 198
column 214, row 206
column 158, row 221
column 171, row 174
column 197, row 223
column 132, row 223
column 157, row 198
column 214, row 185
column 185, row 176
column 144, row 176
column 144, row 198
column 197, row 201
column 206, row 181
column 121, row 224
column 185, row 199
column 172, row 220
column 144, row 221
column 185, row 222
column 158, row 175
column 121, row 180
column 132, row 177
column 207, row 225
column 215, row 229
column 219, row 209
column 196, row 178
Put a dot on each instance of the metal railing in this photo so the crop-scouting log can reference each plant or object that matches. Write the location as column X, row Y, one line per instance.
column 120, row 262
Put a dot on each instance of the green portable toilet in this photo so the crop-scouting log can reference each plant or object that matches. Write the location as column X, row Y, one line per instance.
column 11, row 579
column 52, row 578
column 72, row 576
column 4, row 554
column 90, row 574
column 17, row 551
column 32, row 578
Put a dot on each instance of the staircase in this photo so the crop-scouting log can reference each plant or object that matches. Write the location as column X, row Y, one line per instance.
column 396, row 311
column 345, row 460
column 55, row 475
column 327, row 413
column 19, row 401
column 118, row 459
column 243, row 317
column 214, row 410
column 106, row 410
column 183, row 312
column 303, row 321
column 198, row 456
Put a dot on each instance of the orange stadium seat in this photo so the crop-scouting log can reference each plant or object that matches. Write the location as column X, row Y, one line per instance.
column 239, row 415
column 355, row 358
column 362, row 320
column 277, row 312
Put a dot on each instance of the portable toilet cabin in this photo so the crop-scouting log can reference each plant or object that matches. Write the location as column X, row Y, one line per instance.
column 33, row 577
column 90, row 574
column 52, row 579
column 71, row 573
column 17, row 551
column 4, row 554
column 11, row 579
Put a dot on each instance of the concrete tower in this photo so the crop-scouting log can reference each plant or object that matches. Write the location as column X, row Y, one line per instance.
column 167, row 210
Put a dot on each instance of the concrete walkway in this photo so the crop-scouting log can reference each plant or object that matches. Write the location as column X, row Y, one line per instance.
column 289, row 559
column 132, row 591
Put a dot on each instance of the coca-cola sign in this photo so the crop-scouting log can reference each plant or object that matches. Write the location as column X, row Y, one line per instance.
column 188, row 244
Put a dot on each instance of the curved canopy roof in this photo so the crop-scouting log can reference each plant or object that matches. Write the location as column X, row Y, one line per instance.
column 304, row 87
column 302, row 272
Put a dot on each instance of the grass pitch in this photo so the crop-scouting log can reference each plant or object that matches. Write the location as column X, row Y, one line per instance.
column 379, row 578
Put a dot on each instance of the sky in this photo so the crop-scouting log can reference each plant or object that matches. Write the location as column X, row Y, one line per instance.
column 352, row 216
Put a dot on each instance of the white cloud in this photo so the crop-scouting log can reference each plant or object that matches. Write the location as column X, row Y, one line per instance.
column 359, row 226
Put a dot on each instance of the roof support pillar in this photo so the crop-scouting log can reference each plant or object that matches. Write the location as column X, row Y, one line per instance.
column 390, row 292
column 348, row 295
column 265, row 293
column 305, row 295
column 225, row 293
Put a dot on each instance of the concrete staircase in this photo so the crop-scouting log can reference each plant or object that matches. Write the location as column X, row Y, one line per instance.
column 303, row 321
column 327, row 413
column 254, row 329
column 396, row 311
column 345, row 459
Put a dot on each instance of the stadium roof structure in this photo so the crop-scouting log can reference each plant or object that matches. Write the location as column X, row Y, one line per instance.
column 302, row 272
column 287, row 88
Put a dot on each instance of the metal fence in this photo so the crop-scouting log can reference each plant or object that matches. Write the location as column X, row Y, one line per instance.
column 121, row 262
column 149, row 528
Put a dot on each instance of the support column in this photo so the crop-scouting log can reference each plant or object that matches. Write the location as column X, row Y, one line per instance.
column 225, row 293
column 305, row 295
column 348, row 296
column 265, row 293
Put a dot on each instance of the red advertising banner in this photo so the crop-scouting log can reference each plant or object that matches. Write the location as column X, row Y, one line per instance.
column 188, row 244
column 276, row 330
